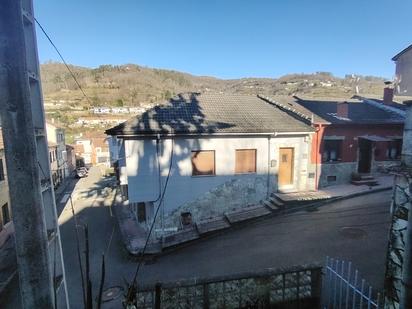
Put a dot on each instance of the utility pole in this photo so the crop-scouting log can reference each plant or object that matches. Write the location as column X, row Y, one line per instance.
column 37, row 236
column 398, row 277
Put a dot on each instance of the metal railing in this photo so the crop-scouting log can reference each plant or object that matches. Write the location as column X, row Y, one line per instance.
column 344, row 288
column 296, row 287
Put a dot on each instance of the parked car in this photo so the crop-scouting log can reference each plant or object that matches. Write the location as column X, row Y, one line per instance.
column 81, row 172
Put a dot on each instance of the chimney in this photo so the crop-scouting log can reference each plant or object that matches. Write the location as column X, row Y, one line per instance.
column 388, row 93
column 342, row 109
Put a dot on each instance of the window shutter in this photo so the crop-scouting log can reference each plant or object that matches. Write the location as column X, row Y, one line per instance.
column 245, row 161
column 203, row 162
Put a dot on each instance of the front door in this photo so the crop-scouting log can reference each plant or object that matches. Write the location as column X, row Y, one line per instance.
column 285, row 176
column 365, row 156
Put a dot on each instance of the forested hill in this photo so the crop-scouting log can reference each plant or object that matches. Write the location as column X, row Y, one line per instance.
column 134, row 85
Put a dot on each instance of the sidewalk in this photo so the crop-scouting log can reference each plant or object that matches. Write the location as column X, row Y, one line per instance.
column 134, row 236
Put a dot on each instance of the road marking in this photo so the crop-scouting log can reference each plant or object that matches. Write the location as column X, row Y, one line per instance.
column 65, row 198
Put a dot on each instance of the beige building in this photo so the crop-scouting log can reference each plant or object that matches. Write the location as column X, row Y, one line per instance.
column 56, row 136
column 54, row 167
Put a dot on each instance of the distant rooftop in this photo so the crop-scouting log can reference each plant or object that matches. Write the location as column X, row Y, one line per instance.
column 324, row 111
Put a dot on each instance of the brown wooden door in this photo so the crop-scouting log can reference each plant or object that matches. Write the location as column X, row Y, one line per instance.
column 285, row 166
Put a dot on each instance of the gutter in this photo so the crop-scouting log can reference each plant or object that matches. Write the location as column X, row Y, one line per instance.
column 155, row 135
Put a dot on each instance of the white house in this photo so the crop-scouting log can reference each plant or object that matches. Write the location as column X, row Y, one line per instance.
column 403, row 79
column 56, row 136
column 207, row 154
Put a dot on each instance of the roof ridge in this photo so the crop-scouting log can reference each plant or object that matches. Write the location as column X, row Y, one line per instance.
column 284, row 107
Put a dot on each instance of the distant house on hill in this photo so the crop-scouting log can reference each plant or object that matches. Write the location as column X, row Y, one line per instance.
column 208, row 154
column 360, row 136
column 403, row 61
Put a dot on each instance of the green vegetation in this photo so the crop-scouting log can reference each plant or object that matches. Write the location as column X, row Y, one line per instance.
column 133, row 85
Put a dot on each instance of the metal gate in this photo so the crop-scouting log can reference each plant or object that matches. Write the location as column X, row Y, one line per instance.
column 344, row 288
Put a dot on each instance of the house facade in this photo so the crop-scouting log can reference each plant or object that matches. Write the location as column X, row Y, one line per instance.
column 403, row 71
column 56, row 137
column 206, row 154
column 353, row 137
column 100, row 151
column 84, row 150
column 56, row 171
column 70, row 159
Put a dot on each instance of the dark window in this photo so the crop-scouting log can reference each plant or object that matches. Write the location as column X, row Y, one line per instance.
column 1, row 170
column 245, row 161
column 141, row 212
column 332, row 151
column 203, row 162
column 394, row 150
column 5, row 213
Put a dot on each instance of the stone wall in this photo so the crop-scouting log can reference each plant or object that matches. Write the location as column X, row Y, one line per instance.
column 297, row 289
column 342, row 172
column 236, row 193
column 401, row 206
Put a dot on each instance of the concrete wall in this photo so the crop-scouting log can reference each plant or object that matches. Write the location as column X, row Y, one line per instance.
column 404, row 74
column 338, row 173
column 207, row 196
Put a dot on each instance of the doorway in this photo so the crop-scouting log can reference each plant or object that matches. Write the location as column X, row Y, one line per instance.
column 365, row 156
column 285, row 175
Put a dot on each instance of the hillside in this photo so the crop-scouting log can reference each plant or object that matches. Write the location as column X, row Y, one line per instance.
column 133, row 85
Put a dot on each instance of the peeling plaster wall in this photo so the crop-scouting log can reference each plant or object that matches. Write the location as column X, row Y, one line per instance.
column 401, row 206
column 207, row 196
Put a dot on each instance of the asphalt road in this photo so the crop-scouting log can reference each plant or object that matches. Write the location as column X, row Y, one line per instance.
column 299, row 238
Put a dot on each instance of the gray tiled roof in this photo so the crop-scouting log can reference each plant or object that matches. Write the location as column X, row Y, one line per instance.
column 396, row 57
column 195, row 113
column 324, row 111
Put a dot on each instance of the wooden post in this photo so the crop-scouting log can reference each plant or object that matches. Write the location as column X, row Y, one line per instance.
column 316, row 285
column 158, row 296
column 206, row 301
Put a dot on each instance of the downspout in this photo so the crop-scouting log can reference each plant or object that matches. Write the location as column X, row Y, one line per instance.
column 268, row 176
column 317, row 158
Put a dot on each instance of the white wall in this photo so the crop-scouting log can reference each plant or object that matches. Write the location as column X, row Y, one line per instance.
column 404, row 73
column 142, row 171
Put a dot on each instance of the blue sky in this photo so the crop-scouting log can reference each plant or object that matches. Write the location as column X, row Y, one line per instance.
column 228, row 38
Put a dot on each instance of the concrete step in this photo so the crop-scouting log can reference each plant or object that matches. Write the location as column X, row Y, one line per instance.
column 276, row 201
column 212, row 225
column 180, row 237
column 367, row 177
column 270, row 205
column 300, row 198
column 368, row 182
column 247, row 213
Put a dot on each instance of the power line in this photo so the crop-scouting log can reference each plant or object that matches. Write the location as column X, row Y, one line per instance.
column 61, row 57
column 132, row 286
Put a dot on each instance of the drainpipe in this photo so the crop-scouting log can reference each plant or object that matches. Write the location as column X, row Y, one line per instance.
column 317, row 158
column 268, row 176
